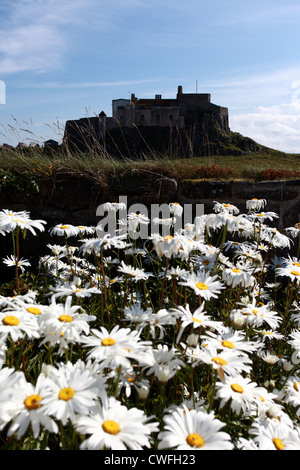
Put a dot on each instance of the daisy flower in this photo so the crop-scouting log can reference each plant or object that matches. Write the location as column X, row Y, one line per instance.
column 255, row 204
column 64, row 230
column 71, row 392
column 237, row 276
column 83, row 229
column 165, row 363
column 114, row 206
column 17, row 324
column 275, row 238
column 65, row 320
column 255, row 313
column 113, row 426
column 225, row 207
column 96, row 245
column 205, row 262
column 274, row 435
column 70, row 288
column 29, row 410
column 261, row 217
column 136, row 274
column 230, row 339
column 186, row 429
column 10, row 221
column 291, row 392
column 293, row 231
column 11, row 386
column 176, row 209
column 292, row 272
column 203, row 284
column 231, row 362
column 136, row 314
column 239, row 391
column 128, row 380
column 116, row 347
column 168, row 245
column 198, row 319
column 12, row 261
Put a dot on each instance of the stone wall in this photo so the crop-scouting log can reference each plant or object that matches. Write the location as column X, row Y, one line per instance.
column 69, row 199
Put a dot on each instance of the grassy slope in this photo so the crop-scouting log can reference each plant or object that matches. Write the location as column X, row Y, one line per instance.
column 36, row 164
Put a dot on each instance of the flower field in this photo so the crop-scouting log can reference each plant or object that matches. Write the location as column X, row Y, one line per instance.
column 186, row 341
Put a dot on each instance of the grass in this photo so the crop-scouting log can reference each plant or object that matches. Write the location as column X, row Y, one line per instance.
column 105, row 169
column 25, row 168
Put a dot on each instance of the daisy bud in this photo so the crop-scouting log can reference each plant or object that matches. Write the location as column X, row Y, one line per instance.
column 143, row 392
column 192, row 340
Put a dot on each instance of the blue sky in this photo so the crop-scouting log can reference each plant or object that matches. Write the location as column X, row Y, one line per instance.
column 62, row 59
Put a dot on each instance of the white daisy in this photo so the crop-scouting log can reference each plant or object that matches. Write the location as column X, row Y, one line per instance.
column 116, row 347
column 136, row 274
column 186, row 429
column 231, row 362
column 113, row 426
column 64, row 230
column 165, row 363
column 198, row 319
column 203, row 284
column 17, row 324
column 29, row 410
column 71, row 392
column 239, row 391
column 11, row 261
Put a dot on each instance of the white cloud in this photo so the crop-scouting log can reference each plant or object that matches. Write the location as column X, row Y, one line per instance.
column 276, row 126
column 36, row 35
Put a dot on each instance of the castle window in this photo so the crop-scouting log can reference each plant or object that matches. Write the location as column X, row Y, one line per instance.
column 142, row 118
column 157, row 117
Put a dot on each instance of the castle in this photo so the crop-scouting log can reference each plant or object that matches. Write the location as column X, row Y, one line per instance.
column 155, row 124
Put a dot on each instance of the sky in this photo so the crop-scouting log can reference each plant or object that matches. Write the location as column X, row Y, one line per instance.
column 62, row 60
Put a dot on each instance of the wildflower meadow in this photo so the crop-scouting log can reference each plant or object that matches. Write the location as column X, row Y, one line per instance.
column 182, row 341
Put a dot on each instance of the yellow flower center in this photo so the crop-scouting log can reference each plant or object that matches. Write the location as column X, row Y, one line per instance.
column 33, row 402
column 111, row 427
column 237, row 388
column 64, row 227
column 196, row 320
column 11, row 320
column 295, row 273
column 296, row 264
column 108, row 341
column 278, row 443
column 65, row 318
column 168, row 237
column 219, row 360
column 66, row 393
column 205, row 262
column 296, row 386
column 227, row 344
column 34, row 310
column 236, row 270
column 131, row 379
column 195, row 440
column 201, row 286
